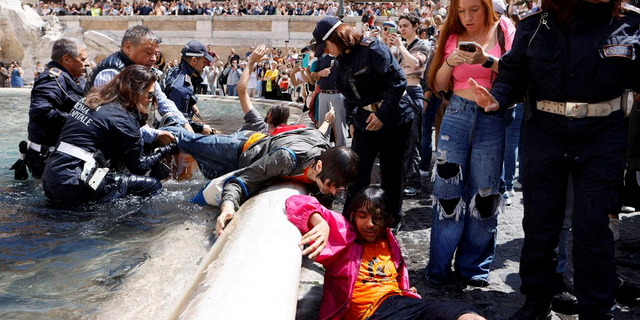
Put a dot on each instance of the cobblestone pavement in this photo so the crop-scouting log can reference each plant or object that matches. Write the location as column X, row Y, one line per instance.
column 497, row 301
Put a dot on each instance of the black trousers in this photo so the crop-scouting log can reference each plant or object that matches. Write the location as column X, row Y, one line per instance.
column 592, row 151
column 408, row 308
column 391, row 144
column 115, row 186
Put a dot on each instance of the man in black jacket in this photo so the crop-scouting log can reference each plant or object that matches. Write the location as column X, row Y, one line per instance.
column 54, row 93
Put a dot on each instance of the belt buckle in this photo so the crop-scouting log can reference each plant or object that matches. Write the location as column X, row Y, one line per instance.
column 576, row 109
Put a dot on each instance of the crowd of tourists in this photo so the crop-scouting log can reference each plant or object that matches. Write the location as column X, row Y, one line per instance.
column 267, row 7
column 472, row 71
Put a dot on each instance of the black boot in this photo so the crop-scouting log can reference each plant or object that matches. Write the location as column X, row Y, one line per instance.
column 565, row 303
column 532, row 310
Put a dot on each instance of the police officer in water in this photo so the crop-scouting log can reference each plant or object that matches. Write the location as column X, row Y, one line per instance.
column 55, row 91
column 179, row 83
column 139, row 46
column 574, row 61
column 377, row 108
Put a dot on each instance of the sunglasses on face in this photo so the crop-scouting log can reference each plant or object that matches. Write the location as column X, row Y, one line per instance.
column 150, row 95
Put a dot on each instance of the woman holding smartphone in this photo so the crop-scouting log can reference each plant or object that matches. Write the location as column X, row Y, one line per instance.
column 470, row 145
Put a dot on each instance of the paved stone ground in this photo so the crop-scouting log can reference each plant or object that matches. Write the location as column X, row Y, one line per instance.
column 502, row 297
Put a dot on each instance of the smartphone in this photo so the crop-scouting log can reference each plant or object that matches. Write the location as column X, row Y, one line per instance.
column 468, row 46
column 393, row 30
column 305, row 60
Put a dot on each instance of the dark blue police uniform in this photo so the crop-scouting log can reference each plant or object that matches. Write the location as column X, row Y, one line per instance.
column 54, row 93
column 115, row 134
column 591, row 61
column 371, row 80
column 178, row 85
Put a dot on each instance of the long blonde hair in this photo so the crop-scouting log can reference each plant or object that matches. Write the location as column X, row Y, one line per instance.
column 453, row 25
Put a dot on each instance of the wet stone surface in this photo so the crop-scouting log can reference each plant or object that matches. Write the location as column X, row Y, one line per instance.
column 502, row 297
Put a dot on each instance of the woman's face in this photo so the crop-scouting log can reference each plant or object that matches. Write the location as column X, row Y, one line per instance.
column 406, row 28
column 147, row 96
column 471, row 14
column 331, row 48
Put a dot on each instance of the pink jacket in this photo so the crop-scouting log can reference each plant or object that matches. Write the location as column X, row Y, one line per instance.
column 342, row 255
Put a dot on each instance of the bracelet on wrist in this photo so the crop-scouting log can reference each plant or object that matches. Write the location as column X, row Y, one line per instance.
column 447, row 62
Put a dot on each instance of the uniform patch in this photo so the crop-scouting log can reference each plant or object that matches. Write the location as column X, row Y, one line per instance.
column 619, row 50
column 54, row 72
column 530, row 13
column 366, row 41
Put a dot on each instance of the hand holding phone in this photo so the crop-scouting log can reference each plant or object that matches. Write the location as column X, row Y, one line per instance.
column 468, row 46
column 393, row 30
column 305, row 60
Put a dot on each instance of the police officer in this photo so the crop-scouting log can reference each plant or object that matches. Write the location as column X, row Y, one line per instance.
column 574, row 59
column 55, row 91
column 102, row 131
column 179, row 83
column 378, row 111
column 139, row 46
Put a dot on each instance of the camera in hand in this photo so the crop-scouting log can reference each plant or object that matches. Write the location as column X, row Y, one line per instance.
column 468, row 46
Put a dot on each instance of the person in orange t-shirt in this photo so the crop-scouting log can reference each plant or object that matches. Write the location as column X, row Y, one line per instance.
column 366, row 276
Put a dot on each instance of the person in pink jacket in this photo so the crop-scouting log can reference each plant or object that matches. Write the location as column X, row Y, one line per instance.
column 365, row 277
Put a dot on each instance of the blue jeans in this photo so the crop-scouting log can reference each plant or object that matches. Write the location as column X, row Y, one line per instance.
column 411, row 165
column 232, row 90
column 216, row 154
column 511, row 149
column 467, row 201
column 426, row 144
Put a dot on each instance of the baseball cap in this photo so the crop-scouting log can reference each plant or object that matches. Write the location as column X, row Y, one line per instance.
column 196, row 48
column 323, row 30
column 389, row 24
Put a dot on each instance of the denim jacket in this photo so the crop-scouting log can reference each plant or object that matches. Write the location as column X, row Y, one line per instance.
column 342, row 255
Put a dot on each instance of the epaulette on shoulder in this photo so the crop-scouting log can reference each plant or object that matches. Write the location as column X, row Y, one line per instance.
column 628, row 7
column 367, row 41
column 54, row 72
column 532, row 12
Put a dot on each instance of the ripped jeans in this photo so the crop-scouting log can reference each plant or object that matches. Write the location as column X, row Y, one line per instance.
column 466, row 197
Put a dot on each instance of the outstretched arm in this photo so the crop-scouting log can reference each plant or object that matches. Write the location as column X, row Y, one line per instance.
column 329, row 117
column 243, row 82
column 484, row 99
column 318, row 234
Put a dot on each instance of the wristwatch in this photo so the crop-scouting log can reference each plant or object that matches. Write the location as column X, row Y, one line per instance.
column 489, row 62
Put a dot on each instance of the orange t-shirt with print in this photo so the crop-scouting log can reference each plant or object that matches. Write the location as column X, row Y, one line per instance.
column 377, row 280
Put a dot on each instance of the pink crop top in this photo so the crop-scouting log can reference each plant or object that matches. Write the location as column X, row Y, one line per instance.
column 482, row 75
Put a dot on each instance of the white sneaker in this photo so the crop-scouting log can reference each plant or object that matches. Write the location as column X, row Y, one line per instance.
column 627, row 209
column 614, row 225
column 511, row 193
column 507, row 199
column 517, row 185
